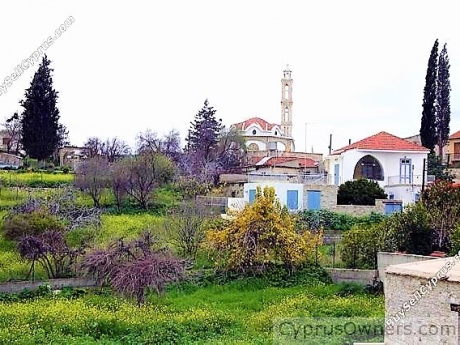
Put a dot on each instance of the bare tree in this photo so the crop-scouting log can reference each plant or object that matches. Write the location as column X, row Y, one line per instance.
column 119, row 173
column 114, row 149
column 95, row 147
column 92, row 177
column 13, row 129
column 147, row 171
column 186, row 227
column 169, row 144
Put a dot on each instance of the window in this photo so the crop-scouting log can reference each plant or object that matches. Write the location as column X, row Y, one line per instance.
column 286, row 114
column 286, row 91
column 276, row 132
column 254, row 132
column 368, row 167
column 253, row 147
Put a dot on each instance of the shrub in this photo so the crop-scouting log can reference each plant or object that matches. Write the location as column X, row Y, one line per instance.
column 132, row 268
column 359, row 192
column 442, row 199
column 262, row 233
column 18, row 225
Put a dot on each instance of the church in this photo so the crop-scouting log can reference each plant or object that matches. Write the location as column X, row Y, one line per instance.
column 261, row 135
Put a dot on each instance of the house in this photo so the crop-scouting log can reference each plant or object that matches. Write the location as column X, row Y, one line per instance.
column 5, row 138
column 395, row 163
column 290, row 195
column 453, row 149
column 70, row 156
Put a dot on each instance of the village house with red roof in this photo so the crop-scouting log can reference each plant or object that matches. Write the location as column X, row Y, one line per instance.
column 395, row 163
column 453, row 150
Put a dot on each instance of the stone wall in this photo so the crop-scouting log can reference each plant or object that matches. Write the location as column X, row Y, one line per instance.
column 8, row 159
column 14, row 287
column 429, row 318
column 328, row 195
column 360, row 210
column 343, row 275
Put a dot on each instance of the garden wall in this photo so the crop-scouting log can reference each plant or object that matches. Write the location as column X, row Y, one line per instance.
column 385, row 259
column 344, row 275
column 12, row 287
column 360, row 210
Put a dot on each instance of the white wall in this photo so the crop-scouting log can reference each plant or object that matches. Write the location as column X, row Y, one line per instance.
column 280, row 190
column 261, row 144
column 405, row 193
column 389, row 161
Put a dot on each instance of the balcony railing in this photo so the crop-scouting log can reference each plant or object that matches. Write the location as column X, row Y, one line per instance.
column 404, row 180
column 455, row 157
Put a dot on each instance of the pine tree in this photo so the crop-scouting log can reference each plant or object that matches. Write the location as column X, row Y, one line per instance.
column 443, row 100
column 428, row 126
column 204, row 132
column 41, row 130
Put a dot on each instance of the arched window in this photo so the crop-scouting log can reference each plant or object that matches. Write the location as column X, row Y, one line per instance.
column 253, row 147
column 286, row 91
column 286, row 114
column 368, row 167
column 254, row 132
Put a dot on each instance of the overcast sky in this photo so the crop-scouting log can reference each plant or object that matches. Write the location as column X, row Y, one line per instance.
column 124, row 66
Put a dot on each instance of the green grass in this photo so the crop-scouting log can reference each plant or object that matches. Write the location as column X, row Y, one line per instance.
column 35, row 179
column 234, row 313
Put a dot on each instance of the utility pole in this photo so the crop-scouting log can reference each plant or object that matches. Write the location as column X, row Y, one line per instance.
column 423, row 174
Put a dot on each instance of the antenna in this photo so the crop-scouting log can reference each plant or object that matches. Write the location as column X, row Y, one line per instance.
column 330, row 144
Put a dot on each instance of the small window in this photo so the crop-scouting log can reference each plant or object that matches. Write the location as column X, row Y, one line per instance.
column 254, row 132
column 276, row 132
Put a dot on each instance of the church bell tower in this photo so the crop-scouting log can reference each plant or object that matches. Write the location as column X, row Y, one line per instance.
column 286, row 103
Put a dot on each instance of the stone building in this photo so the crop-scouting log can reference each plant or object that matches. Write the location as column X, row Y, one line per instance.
column 422, row 302
column 261, row 135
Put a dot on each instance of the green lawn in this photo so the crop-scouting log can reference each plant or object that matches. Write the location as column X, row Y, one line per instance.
column 233, row 313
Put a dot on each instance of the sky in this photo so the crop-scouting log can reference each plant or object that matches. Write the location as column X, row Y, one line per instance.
column 123, row 67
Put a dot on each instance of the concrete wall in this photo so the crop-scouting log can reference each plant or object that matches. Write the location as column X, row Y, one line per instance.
column 342, row 275
column 385, row 259
column 13, row 287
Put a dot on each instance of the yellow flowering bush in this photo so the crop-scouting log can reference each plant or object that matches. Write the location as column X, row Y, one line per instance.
column 262, row 233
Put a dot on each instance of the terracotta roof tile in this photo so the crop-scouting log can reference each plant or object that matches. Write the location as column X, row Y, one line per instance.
column 383, row 141
column 255, row 120
column 456, row 135
column 302, row 162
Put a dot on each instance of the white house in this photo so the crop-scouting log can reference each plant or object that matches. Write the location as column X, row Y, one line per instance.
column 289, row 194
column 395, row 163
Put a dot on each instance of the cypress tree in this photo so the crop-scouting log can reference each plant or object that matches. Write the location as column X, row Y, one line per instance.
column 428, row 133
column 443, row 100
column 40, row 118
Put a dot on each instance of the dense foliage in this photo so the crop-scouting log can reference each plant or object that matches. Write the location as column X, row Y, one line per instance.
column 329, row 220
column 428, row 124
column 262, row 233
column 42, row 133
column 359, row 192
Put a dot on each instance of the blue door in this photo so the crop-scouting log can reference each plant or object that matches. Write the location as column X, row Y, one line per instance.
column 336, row 174
column 252, row 195
column 392, row 208
column 405, row 171
column 314, row 199
column 293, row 199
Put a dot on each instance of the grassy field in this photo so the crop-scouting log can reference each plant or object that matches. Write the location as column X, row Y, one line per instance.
column 234, row 313
column 35, row 179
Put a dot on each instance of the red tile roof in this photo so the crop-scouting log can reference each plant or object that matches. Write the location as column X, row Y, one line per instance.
column 383, row 141
column 302, row 162
column 255, row 120
column 456, row 135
